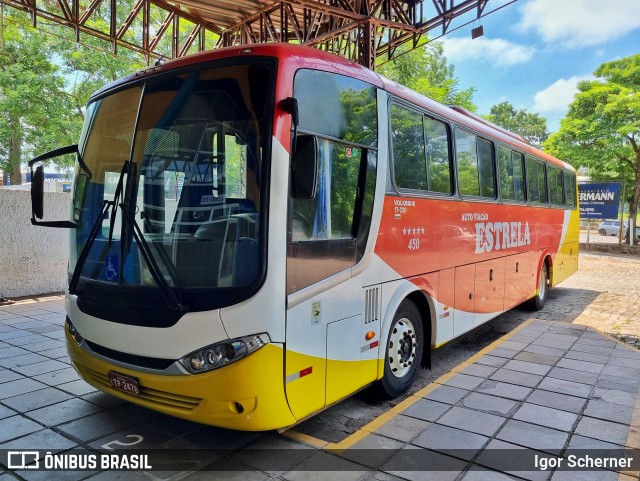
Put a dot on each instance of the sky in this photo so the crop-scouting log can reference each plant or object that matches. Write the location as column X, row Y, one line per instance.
column 534, row 52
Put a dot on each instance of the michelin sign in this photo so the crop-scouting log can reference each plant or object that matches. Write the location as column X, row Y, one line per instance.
column 599, row 201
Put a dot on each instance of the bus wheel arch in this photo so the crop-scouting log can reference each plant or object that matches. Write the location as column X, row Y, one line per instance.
column 407, row 345
column 543, row 283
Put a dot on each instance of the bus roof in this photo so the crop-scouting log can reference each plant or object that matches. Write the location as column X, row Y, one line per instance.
column 299, row 56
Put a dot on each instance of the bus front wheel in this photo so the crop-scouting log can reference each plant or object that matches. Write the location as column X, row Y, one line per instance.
column 537, row 302
column 404, row 349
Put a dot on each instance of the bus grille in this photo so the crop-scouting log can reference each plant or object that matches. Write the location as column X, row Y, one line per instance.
column 153, row 396
column 371, row 305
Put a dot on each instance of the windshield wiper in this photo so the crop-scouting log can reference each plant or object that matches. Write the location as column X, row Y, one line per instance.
column 158, row 277
column 130, row 223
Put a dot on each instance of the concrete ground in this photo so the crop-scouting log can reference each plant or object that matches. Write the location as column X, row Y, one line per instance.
column 509, row 391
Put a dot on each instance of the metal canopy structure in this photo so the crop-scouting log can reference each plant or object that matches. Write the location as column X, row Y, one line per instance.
column 360, row 30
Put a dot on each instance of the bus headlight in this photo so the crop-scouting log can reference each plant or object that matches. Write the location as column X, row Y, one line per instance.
column 223, row 353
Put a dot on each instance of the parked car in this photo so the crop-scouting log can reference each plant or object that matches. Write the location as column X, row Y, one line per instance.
column 612, row 227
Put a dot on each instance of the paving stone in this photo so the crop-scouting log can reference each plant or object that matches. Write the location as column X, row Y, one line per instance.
column 604, row 430
column 537, row 358
column 549, row 351
column 316, row 466
column 447, row 394
column 511, row 344
column 578, row 442
column 96, row 426
column 20, row 386
column 426, row 410
column 528, row 367
column 24, row 341
column 511, row 459
column 582, row 366
column 557, row 336
column 555, row 400
column 565, row 387
column 504, row 352
column 16, row 427
column 479, row 370
column 597, row 342
column 624, row 362
column 464, row 381
column 616, row 397
column 22, row 360
column 595, row 475
column 624, row 351
column 545, row 416
column 12, row 351
column 502, row 389
column 552, row 343
column 78, row 387
column 43, row 439
column 609, row 411
column 36, row 399
column 490, row 360
column 62, row 412
column 477, row 473
column 611, row 370
column 55, row 378
column 372, row 451
column 489, row 404
column 533, row 436
column 412, row 463
column 587, row 356
column 514, row 377
column 6, row 376
column 592, row 349
column 452, row 441
column 5, row 412
column 573, row 375
column 619, row 383
column 41, row 367
column 470, row 420
column 403, row 428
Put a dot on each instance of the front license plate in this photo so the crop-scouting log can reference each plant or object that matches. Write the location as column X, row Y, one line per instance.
column 124, row 383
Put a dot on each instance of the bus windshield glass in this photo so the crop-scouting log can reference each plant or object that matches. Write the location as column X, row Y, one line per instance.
column 179, row 162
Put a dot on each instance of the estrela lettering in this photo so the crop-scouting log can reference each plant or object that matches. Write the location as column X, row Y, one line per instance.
column 501, row 235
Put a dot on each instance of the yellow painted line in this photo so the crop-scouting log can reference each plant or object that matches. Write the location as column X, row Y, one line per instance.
column 305, row 439
column 384, row 418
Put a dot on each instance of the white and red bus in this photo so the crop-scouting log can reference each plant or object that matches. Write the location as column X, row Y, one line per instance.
column 257, row 233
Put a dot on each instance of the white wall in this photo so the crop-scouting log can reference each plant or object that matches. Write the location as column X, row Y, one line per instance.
column 33, row 260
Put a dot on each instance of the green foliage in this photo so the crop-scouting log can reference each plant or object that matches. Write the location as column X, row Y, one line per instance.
column 602, row 128
column 45, row 81
column 532, row 127
column 425, row 69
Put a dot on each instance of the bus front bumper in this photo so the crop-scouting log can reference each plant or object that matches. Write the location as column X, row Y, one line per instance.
column 246, row 395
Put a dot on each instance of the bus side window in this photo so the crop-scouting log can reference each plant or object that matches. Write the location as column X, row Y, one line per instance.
column 536, row 181
column 476, row 176
column 511, row 170
column 570, row 189
column 555, row 185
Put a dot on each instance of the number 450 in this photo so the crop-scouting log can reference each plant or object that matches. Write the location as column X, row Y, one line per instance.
column 414, row 244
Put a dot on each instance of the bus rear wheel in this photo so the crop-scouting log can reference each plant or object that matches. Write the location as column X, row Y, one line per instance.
column 538, row 301
column 404, row 349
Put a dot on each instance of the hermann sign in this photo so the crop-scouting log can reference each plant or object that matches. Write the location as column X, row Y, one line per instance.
column 599, row 201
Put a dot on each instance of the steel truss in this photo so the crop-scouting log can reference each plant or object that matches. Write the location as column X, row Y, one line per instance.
column 360, row 30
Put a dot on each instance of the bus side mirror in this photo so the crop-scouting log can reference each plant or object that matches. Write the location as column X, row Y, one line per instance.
column 37, row 192
column 304, row 167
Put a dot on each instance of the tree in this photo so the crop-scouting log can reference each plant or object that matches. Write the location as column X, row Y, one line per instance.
column 45, row 82
column 532, row 127
column 602, row 128
column 425, row 69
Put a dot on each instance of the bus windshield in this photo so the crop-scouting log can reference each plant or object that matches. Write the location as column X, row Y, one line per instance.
column 181, row 158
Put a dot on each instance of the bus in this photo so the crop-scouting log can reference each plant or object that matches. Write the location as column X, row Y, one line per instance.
column 257, row 233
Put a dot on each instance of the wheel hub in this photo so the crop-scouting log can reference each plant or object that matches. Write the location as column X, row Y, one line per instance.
column 402, row 347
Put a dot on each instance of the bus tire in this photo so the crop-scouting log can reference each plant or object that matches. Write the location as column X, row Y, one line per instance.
column 403, row 352
column 538, row 301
